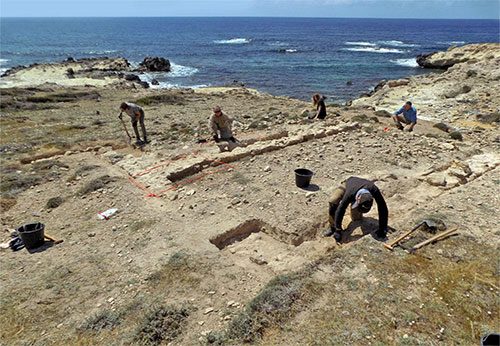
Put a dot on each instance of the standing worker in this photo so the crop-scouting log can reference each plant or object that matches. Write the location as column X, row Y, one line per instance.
column 136, row 113
column 319, row 103
column 359, row 193
column 409, row 117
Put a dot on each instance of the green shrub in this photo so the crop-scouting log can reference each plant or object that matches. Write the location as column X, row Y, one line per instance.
column 456, row 135
column 162, row 324
column 102, row 320
column 96, row 184
column 54, row 202
column 442, row 127
column 167, row 98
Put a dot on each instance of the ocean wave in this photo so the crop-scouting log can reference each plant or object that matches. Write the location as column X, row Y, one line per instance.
column 395, row 43
column 361, row 43
column 101, row 52
column 168, row 85
column 181, row 71
column 453, row 43
column 234, row 41
column 277, row 44
column 405, row 62
column 177, row 71
column 375, row 50
column 286, row 51
column 2, row 61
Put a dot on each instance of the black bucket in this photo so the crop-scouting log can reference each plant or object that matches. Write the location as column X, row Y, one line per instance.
column 32, row 234
column 490, row 340
column 303, row 177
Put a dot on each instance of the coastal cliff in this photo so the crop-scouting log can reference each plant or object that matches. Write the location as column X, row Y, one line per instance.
column 466, row 91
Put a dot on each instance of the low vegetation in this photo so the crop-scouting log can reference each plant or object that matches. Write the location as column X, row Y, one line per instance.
column 172, row 98
column 54, row 202
column 161, row 324
column 96, row 184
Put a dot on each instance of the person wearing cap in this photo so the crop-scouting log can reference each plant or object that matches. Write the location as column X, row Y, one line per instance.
column 220, row 122
column 359, row 193
column 409, row 117
column 136, row 114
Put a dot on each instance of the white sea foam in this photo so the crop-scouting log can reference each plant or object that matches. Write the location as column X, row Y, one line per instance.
column 234, row 41
column 395, row 43
column 361, row 43
column 168, row 85
column 405, row 62
column 181, row 71
column 177, row 71
column 453, row 43
column 375, row 50
column 278, row 44
column 101, row 52
column 2, row 61
column 287, row 51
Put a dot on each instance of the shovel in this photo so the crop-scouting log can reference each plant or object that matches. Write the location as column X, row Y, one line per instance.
column 125, row 127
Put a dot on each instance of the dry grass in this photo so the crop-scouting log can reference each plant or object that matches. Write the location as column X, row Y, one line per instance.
column 280, row 300
column 96, row 184
column 180, row 269
column 404, row 299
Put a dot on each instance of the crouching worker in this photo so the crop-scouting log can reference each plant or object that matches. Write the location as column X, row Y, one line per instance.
column 136, row 114
column 409, row 117
column 359, row 194
column 221, row 123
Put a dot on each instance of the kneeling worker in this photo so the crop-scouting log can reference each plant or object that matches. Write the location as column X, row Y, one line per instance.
column 359, row 193
column 220, row 122
column 409, row 117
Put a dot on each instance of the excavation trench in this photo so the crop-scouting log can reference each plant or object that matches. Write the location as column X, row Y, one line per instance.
column 245, row 229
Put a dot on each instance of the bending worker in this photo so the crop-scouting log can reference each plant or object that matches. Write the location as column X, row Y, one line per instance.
column 220, row 122
column 136, row 114
column 409, row 117
column 359, row 193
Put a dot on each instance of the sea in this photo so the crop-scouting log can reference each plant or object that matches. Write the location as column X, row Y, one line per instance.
column 340, row 58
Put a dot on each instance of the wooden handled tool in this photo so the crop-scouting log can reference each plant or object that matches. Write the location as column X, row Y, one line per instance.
column 441, row 236
column 391, row 245
column 53, row 239
column 429, row 223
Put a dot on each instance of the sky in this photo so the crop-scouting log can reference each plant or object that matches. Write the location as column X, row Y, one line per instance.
column 472, row 9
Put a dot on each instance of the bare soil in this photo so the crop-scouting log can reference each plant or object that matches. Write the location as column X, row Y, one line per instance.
column 188, row 265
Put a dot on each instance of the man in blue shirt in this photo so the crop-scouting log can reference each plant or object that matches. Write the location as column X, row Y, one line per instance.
column 409, row 117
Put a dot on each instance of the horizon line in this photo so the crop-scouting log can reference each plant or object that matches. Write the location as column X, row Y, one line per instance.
column 281, row 17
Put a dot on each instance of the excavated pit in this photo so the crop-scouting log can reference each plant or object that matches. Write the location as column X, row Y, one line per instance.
column 237, row 233
column 255, row 244
column 244, row 230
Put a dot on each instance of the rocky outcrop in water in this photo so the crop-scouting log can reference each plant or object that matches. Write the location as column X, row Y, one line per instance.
column 154, row 64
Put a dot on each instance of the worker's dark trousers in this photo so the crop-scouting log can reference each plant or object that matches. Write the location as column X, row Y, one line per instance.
column 143, row 128
column 334, row 202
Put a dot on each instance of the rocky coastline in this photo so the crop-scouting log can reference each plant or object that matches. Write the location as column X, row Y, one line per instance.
column 465, row 93
column 84, row 72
